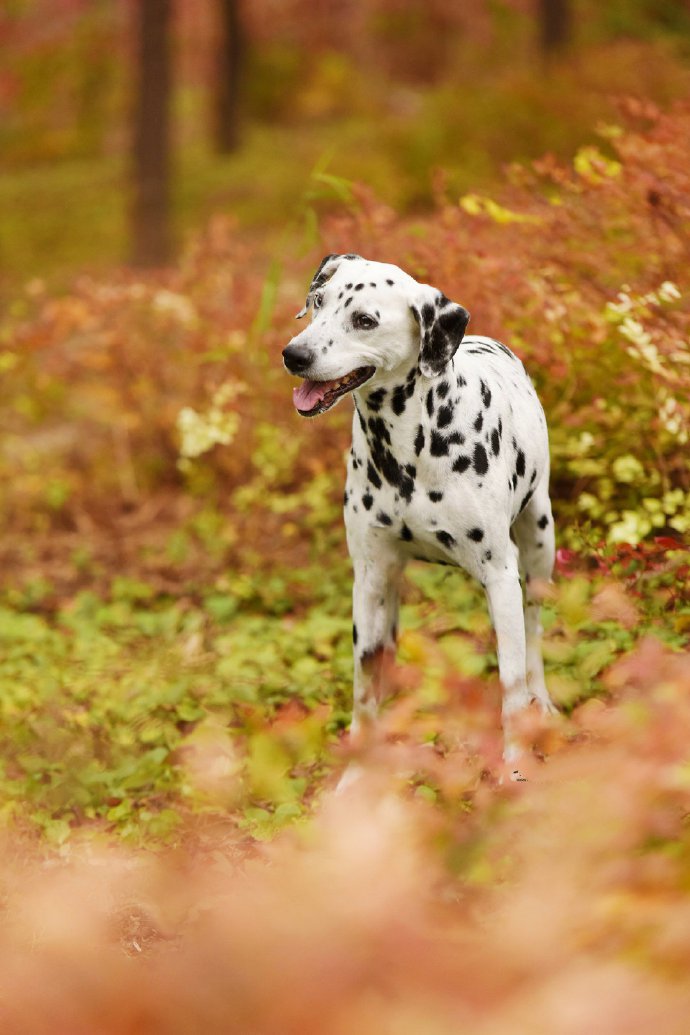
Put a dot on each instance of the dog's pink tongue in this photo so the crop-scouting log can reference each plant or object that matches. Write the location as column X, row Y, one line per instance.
column 308, row 394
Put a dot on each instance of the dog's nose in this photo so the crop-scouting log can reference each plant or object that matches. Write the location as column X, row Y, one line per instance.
column 298, row 358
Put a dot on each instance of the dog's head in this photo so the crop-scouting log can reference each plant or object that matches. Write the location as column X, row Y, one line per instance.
column 368, row 318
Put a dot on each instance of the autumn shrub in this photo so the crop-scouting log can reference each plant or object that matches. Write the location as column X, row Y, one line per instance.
column 582, row 268
column 584, row 271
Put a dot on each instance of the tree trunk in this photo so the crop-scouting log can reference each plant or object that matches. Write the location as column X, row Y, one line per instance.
column 554, row 26
column 150, row 228
column 228, row 75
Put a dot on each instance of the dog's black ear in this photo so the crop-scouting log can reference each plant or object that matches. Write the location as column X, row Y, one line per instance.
column 327, row 267
column 442, row 326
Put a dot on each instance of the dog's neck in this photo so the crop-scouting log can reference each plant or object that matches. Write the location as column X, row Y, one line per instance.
column 395, row 392
column 390, row 427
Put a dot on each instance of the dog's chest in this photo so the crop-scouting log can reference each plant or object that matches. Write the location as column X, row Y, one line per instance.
column 408, row 471
column 433, row 462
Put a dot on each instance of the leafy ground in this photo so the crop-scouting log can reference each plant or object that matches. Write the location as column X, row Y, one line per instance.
column 144, row 712
column 176, row 660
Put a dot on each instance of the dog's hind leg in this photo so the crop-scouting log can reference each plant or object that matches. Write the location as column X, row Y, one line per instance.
column 533, row 531
column 504, row 597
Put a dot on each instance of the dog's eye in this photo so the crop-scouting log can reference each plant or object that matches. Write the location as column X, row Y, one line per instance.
column 317, row 300
column 363, row 322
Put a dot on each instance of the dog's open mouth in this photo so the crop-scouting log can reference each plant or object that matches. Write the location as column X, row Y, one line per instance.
column 315, row 397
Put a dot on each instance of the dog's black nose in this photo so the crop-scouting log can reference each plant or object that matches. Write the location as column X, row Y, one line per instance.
column 298, row 358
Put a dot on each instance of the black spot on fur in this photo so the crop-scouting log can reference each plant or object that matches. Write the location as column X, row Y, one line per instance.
column 446, row 539
column 486, row 394
column 430, row 402
column 461, row 381
column 439, row 444
column 358, row 287
column 375, row 400
column 476, row 535
column 487, row 555
column 386, row 464
column 479, row 422
column 354, row 635
column 445, row 415
column 347, row 301
column 373, row 475
column 461, row 464
column 543, row 521
column 434, row 496
column 367, row 501
column 443, row 389
column 495, row 442
column 406, row 534
column 480, row 460
column 456, row 438
column 520, row 464
column 504, row 349
column 419, row 440
column 411, row 470
column 427, row 314
column 390, row 283
column 525, row 501
column 384, row 518
column 378, row 429
column 345, row 499
column 399, row 400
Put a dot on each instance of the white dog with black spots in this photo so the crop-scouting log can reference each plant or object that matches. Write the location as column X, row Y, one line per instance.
column 449, row 463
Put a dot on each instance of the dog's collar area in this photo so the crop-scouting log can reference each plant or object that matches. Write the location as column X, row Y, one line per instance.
column 314, row 397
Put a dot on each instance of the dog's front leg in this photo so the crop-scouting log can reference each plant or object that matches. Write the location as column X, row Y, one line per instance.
column 375, row 601
column 504, row 596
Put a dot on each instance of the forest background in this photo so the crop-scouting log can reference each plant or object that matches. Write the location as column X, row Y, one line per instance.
column 175, row 662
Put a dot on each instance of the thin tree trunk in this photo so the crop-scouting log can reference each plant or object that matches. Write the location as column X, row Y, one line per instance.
column 228, row 76
column 555, row 24
column 150, row 228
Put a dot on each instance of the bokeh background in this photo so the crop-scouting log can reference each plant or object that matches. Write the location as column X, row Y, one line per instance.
column 175, row 652
column 259, row 95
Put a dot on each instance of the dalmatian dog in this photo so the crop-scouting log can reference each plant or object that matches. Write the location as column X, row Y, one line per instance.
column 449, row 463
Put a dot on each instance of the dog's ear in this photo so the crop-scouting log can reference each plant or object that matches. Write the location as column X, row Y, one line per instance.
column 442, row 326
column 327, row 267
